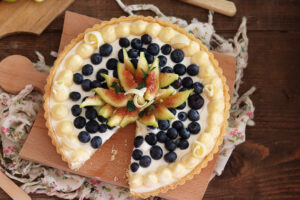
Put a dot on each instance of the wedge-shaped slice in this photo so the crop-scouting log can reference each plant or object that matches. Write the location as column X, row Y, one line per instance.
column 130, row 117
column 165, row 93
column 177, row 99
column 142, row 68
column 128, row 64
column 92, row 101
column 165, row 79
column 162, row 113
column 126, row 78
column 148, row 120
column 106, row 111
column 111, row 97
column 117, row 117
column 109, row 80
column 152, row 81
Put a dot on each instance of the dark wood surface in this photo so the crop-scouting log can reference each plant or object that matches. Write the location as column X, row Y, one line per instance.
column 267, row 165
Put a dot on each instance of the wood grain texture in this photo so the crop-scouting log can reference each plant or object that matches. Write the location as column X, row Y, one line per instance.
column 267, row 165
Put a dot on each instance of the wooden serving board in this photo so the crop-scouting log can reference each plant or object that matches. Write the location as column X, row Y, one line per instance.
column 38, row 147
column 29, row 16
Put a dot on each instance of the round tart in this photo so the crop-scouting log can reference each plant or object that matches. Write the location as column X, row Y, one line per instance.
column 145, row 71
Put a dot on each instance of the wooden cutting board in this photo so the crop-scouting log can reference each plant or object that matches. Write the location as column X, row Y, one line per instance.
column 29, row 16
column 38, row 147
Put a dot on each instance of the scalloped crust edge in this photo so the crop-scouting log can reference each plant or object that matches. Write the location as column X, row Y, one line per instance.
column 219, row 71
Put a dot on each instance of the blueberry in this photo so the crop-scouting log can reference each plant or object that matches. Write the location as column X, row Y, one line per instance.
column 86, row 85
column 112, row 64
column 76, row 110
column 170, row 145
column 153, row 49
column 146, row 39
column 195, row 101
column 183, row 144
column 193, row 115
column 136, row 43
column 96, row 142
column 133, row 53
column 124, row 42
column 183, row 89
column 151, row 139
column 179, row 69
column 194, row 127
column 177, row 125
column 170, row 157
column 187, row 82
column 192, row 70
column 151, row 127
column 182, row 106
column 149, row 58
column 105, row 50
column 77, row 78
column 167, row 69
column 75, row 96
column 172, row 133
column 84, row 137
column 98, row 74
column 184, row 133
column 134, row 61
column 162, row 61
column 162, row 137
column 102, row 119
column 111, row 128
column 95, row 84
column 142, row 50
column 156, row 152
column 115, row 74
column 163, row 124
column 177, row 56
column 121, row 56
column 166, row 49
column 177, row 84
column 104, row 85
column 182, row 116
column 134, row 167
column 198, row 88
column 96, row 58
column 102, row 128
column 79, row 122
column 91, row 113
column 145, row 161
column 138, row 141
column 92, row 126
column 87, row 69
column 173, row 110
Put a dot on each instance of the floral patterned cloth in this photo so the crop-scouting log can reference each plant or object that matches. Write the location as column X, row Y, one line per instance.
column 17, row 114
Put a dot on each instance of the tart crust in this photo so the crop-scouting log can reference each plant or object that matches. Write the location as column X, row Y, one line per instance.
column 113, row 21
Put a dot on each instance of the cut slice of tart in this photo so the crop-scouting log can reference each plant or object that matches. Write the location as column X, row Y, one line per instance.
column 145, row 71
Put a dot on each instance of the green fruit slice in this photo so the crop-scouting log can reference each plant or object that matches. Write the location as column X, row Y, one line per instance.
column 165, row 79
column 177, row 99
column 148, row 120
column 130, row 117
column 128, row 65
column 116, row 117
column 142, row 67
column 109, row 80
column 92, row 101
column 165, row 93
column 126, row 78
column 106, row 111
column 162, row 113
column 152, row 81
column 109, row 96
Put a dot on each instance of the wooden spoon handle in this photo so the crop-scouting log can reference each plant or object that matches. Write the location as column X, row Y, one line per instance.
column 12, row 189
column 221, row 6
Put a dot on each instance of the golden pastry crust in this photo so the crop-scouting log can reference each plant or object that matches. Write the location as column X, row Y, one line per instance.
column 218, row 70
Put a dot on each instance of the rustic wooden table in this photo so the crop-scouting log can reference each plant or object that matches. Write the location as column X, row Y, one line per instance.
column 267, row 165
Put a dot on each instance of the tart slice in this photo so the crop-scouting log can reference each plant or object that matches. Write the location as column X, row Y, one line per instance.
column 145, row 71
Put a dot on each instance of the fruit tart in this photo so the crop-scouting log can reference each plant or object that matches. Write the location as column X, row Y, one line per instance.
column 145, row 71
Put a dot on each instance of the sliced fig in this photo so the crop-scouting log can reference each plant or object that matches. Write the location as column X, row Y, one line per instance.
column 117, row 117
column 128, row 64
column 166, row 79
column 142, row 67
column 148, row 120
column 109, row 96
column 109, row 80
column 162, row 113
column 152, row 81
column 177, row 99
column 130, row 117
column 165, row 93
column 92, row 101
column 126, row 78
column 106, row 111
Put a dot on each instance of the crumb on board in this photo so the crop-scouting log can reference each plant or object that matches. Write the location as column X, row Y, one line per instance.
column 114, row 152
column 116, row 178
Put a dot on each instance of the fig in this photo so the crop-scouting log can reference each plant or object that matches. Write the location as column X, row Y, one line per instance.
column 109, row 96
column 165, row 79
column 177, row 99
column 152, row 81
